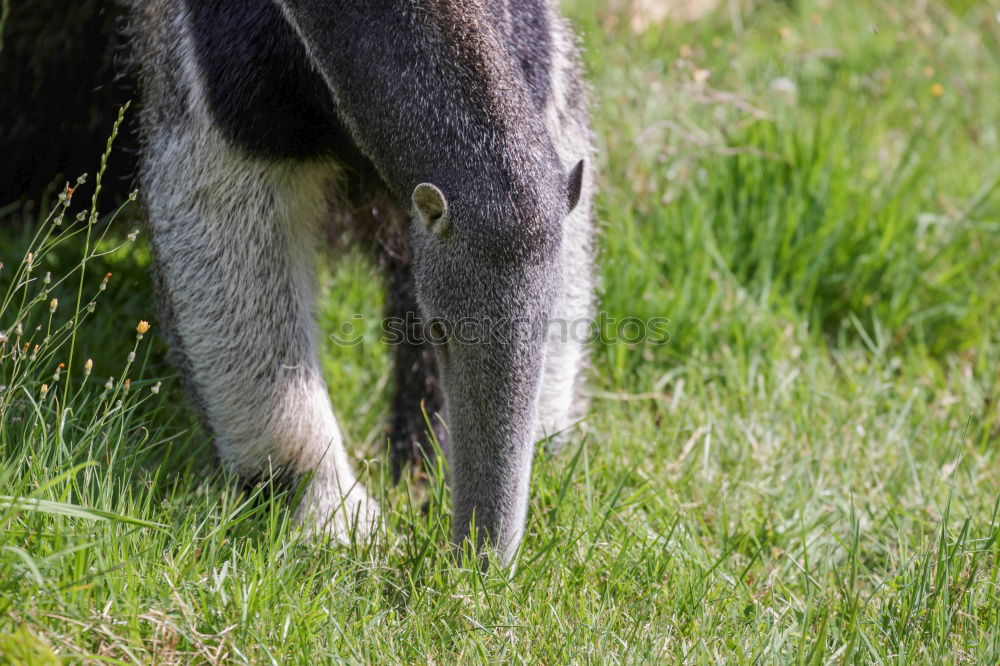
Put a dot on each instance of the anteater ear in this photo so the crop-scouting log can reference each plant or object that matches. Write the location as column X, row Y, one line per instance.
column 574, row 185
column 430, row 206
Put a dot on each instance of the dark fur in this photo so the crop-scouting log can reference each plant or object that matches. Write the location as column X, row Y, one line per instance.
column 64, row 77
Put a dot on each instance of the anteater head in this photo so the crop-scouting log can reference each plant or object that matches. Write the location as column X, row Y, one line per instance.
column 488, row 271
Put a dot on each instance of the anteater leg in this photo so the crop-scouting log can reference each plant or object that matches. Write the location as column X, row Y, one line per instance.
column 418, row 399
column 234, row 238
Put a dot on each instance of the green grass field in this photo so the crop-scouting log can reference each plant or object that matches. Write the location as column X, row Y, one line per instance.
column 808, row 471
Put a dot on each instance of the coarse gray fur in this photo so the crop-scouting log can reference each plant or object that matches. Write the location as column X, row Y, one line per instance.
column 466, row 142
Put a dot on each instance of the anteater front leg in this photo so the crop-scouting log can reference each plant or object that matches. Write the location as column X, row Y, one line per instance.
column 234, row 239
column 418, row 400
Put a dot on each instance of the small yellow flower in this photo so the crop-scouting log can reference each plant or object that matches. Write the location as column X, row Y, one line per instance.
column 784, row 32
column 45, row 390
column 87, row 367
column 128, row 383
column 937, row 90
column 142, row 328
column 53, row 304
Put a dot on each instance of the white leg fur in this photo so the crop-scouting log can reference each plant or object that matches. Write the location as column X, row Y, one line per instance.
column 234, row 242
column 561, row 401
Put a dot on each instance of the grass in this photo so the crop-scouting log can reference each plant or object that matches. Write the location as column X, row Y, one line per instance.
column 807, row 472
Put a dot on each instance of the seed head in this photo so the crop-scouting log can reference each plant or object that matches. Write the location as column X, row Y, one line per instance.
column 155, row 388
